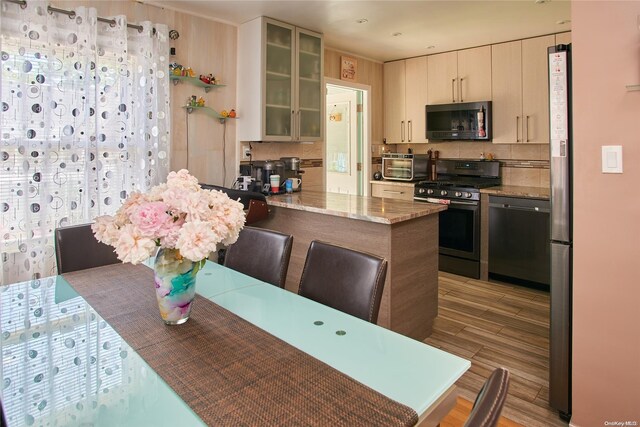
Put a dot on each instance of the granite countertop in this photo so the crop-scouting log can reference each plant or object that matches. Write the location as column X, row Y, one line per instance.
column 372, row 209
column 518, row 191
column 398, row 183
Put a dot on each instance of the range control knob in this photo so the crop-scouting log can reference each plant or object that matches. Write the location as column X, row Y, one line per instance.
column 421, row 190
column 443, row 192
column 429, row 191
column 458, row 194
column 467, row 195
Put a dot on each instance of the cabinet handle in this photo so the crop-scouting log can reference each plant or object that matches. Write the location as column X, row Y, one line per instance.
column 517, row 133
column 402, row 131
column 461, row 79
column 393, row 192
column 453, row 90
column 410, row 129
column 299, row 124
column 293, row 124
column 527, row 128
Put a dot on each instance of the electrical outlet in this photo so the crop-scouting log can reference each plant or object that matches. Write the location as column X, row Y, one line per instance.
column 246, row 153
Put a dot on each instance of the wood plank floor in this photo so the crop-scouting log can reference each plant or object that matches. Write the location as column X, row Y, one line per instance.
column 498, row 324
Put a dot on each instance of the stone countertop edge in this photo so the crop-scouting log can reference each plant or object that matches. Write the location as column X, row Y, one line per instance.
column 518, row 191
column 379, row 210
column 398, row 183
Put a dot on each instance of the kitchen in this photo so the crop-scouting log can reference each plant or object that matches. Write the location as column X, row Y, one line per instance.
column 214, row 47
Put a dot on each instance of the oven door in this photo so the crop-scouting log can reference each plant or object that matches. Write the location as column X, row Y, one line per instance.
column 460, row 230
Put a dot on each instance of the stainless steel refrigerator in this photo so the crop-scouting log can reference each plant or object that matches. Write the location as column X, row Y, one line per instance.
column 561, row 229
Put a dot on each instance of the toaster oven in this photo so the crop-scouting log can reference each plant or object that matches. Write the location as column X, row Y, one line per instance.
column 404, row 167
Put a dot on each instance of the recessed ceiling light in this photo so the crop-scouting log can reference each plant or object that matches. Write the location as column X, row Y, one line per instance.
column 396, row 34
column 541, row 1
column 563, row 21
column 362, row 20
column 431, row 47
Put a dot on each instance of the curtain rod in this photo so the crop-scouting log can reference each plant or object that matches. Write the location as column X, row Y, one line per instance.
column 72, row 14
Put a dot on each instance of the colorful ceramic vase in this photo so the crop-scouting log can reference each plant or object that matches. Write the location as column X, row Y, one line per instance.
column 175, row 279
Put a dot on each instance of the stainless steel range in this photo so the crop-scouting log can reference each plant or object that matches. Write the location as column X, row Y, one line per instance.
column 458, row 185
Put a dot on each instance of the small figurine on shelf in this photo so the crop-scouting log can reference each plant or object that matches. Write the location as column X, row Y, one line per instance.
column 193, row 101
column 188, row 72
column 176, row 69
column 232, row 114
column 213, row 80
column 224, row 113
column 205, row 79
column 201, row 102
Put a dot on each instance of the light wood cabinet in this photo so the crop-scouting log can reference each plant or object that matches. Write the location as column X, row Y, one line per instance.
column 394, row 101
column 405, row 95
column 390, row 190
column 280, row 90
column 459, row 76
column 520, row 91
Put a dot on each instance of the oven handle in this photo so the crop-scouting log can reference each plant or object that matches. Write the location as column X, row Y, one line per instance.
column 451, row 202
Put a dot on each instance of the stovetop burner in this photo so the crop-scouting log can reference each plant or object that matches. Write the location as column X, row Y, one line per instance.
column 459, row 179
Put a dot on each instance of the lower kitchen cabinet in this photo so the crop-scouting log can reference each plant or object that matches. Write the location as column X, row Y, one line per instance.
column 392, row 190
column 519, row 245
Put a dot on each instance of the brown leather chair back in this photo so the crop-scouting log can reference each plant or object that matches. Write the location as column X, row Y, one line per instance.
column 488, row 405
column 260, row 253
column 347, row 280
column 78, row 249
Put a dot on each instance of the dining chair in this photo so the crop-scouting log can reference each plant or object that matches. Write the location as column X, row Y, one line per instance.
column 344, row 279
column 488, row 405
column 260, row 253
column 78, row 249
column 3, row 420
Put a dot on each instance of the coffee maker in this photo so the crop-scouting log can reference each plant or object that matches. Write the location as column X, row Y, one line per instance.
column 261, row 171
column 292, row 170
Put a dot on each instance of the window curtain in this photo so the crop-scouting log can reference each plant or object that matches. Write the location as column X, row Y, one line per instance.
column 84, row 122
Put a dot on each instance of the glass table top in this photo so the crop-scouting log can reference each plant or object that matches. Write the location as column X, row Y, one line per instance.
column 62, row 364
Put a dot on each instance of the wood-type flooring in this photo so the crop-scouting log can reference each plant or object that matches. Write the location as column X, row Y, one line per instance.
column 497, row 324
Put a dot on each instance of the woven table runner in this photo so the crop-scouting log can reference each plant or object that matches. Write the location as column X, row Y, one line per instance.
column 229, row 371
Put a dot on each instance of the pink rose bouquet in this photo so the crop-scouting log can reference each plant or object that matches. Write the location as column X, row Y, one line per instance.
column 175, row 215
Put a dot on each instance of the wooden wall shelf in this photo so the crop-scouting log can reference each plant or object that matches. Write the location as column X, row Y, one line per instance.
column 207, row 110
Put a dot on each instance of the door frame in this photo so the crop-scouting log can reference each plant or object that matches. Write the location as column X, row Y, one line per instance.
column 366, row 128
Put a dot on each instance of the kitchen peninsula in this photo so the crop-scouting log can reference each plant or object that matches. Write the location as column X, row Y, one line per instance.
column 403, row 232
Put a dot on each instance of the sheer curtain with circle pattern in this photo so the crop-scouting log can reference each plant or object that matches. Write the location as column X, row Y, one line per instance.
column 84, row 122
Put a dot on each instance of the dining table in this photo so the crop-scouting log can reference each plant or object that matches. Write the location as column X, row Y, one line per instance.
column 72, row 355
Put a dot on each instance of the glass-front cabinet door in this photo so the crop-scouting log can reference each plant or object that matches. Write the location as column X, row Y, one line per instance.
column 279, row 102
column 309, row 86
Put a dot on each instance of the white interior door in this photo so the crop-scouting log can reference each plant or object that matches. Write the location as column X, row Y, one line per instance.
column 342, row 143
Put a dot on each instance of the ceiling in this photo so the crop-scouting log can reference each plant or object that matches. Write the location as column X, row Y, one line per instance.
column 443, row 25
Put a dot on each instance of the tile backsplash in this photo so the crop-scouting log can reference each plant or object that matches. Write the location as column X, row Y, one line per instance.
column 520, row 164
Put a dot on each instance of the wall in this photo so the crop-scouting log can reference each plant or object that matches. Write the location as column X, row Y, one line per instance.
column 207, row 47
column 606, row 341
column 312, row 154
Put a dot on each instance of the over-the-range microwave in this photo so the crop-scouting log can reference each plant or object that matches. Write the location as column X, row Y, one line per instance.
column 460, row 121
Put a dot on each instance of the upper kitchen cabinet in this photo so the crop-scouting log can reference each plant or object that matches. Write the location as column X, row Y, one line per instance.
column 521, row 91
column 280, row 82
column 405, row 97
column 460, row 76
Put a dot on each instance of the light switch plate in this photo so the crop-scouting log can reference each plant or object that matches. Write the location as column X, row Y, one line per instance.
column 246, row 153
column 612, row 159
